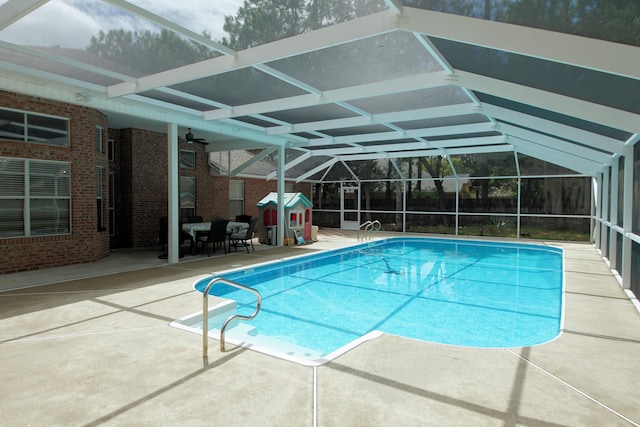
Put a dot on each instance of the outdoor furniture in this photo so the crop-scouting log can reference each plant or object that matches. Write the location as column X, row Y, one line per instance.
column 197, row 219
column 243, row 239
column 196, row 230
column 217, row 234
column 163, row 236
column 192, row 228
column 243, row 218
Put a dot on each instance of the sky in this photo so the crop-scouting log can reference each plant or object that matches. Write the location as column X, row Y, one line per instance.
column 71, row 23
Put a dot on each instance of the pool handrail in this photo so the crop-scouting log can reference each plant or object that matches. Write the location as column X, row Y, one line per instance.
column 375, row 226
column 369, row 227
column 366, row 225
column 205, row 312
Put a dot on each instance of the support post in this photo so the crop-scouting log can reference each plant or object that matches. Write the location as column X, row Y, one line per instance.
column 627, row 216
column 613, row 218
column 282, row 221
column 604, row 212
column 173, row 243
column 596, row 209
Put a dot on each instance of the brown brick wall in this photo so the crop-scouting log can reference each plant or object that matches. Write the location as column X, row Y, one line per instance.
column 85, row 243
column 141, row 187
column 142, row 182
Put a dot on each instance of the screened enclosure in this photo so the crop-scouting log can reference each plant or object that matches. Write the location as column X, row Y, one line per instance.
column 467, row 195
column 471, row 119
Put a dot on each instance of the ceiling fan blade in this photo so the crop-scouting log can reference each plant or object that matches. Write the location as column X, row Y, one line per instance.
column 190, row 138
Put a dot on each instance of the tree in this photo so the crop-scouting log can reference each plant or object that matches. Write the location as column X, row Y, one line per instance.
column 366, row 171
column 146, row 52
column 459, row 7
column 437, row 167
column 262, row 21
column 613, row 20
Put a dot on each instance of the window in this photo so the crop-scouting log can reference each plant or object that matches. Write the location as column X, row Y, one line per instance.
column 187, row 159
column 35, row 197
column 112, row 196
column 187, row 196
column 97, row 135
column 236, row 198
column 35, row 128
column 111, row 150
column 99, row 199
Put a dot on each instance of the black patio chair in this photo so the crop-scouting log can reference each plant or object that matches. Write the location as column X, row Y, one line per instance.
column 163, row 237
column 163, row 234
column 243, row 218
column 217, row 234
column 245, row 238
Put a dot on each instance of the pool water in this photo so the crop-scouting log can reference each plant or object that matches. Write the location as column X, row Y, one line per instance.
column 467, row 293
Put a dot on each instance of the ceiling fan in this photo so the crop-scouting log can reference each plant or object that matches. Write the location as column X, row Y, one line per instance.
column 191, row 139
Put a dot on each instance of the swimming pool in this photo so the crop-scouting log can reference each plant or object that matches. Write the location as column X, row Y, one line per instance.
column 450, row 291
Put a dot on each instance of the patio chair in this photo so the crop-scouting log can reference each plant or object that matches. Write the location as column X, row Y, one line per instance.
column 243, row 218
column 244, row 238
column 217, row 234
column 163, row 236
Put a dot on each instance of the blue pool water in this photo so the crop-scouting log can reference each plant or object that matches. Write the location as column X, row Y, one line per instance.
column 467, row 293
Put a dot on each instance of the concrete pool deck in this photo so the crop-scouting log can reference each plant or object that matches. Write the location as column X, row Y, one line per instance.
column 93, row 351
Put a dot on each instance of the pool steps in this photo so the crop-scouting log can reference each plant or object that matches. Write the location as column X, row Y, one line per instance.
column 244, row 334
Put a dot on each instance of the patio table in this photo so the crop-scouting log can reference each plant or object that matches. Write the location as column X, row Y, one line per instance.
column 192, row 228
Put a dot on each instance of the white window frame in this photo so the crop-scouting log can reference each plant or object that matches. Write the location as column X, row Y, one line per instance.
column 111, row 149
column 187, row 210
column 187, row 159
column 97, row 135
column 236, row 197
column 61, row 192
column 112, row 215
column 26, row 126
column 99, row 198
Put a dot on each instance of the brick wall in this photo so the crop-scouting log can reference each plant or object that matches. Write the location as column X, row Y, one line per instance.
column 141, row 176
column 142, row 186
column 85, row 243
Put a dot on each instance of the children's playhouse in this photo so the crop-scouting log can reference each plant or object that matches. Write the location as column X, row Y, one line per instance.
column 297, row 211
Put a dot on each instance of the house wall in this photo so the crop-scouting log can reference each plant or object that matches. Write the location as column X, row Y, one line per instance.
column 141, row 178
column 85, row 243
column 139, row 169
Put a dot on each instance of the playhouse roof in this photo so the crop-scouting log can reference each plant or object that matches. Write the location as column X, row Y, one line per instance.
column 291, row 200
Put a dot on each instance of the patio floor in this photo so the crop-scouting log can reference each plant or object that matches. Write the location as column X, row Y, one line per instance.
column 91, row 345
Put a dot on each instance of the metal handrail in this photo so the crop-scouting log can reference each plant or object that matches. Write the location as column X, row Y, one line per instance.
column 369, row 227
column 366, row 225
column 205, row 312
